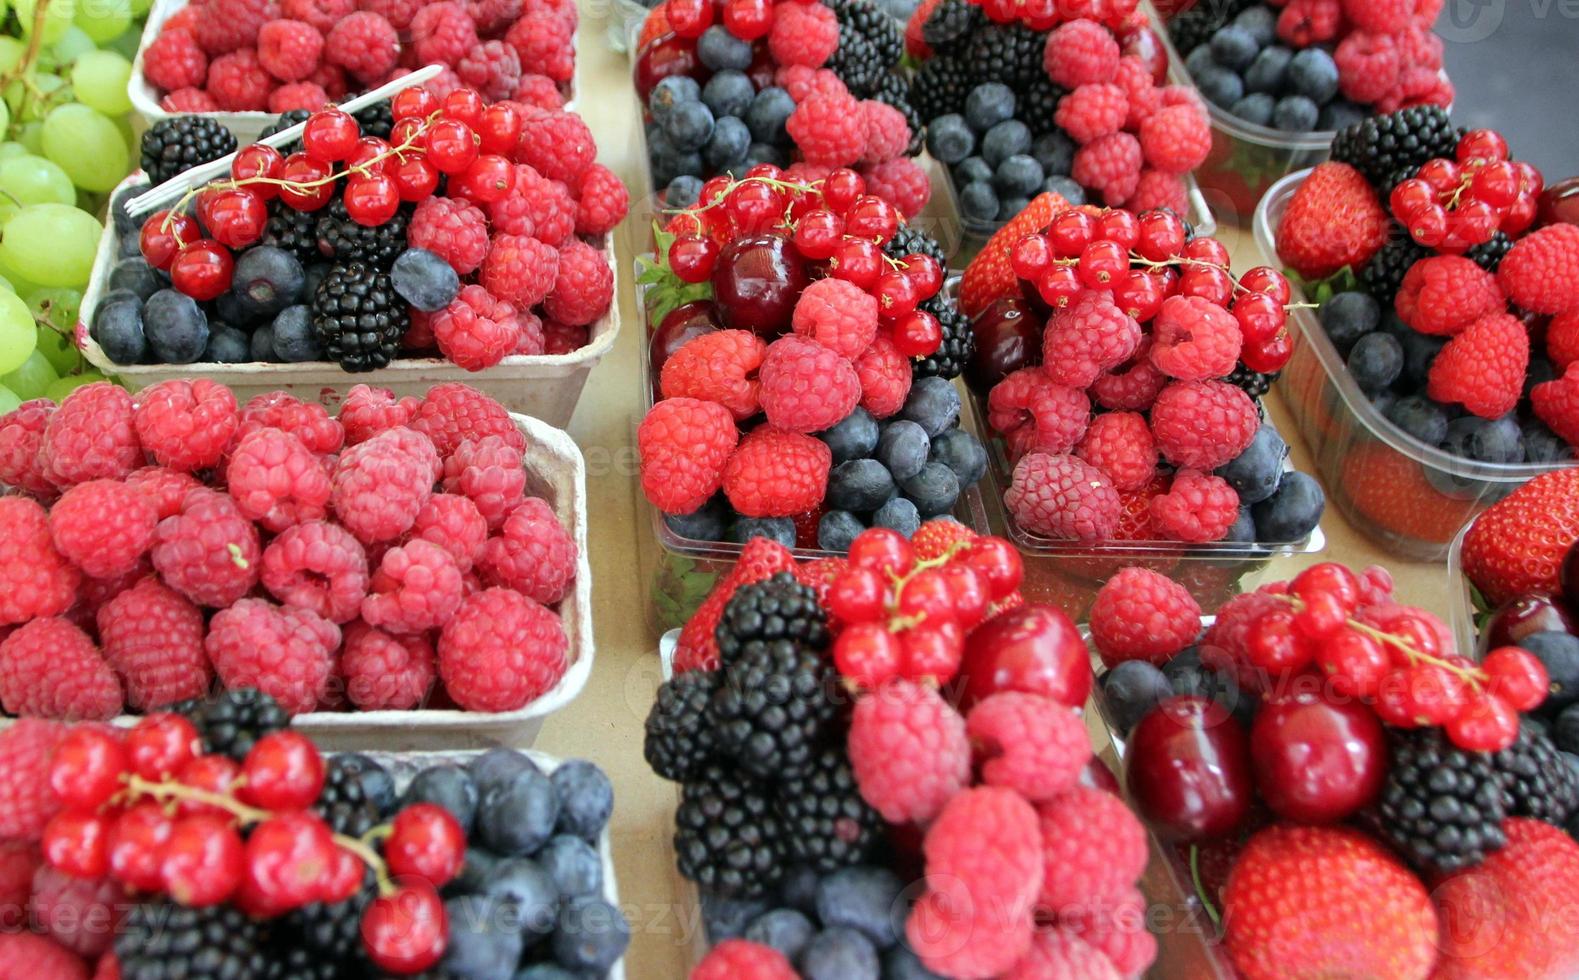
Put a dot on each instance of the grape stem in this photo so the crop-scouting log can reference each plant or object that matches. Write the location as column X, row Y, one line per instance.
column 24, row 67
column 1470, row 675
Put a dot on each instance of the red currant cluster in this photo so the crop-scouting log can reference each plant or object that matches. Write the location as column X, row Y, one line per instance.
column 1454, row 205
column 748, row 20
column 832, row 221
column 152, row 812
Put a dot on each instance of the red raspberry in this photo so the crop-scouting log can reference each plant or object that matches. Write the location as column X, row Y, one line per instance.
column 1092, row 848
column 452, row 229
column 761, row 558
column 806, row 387
column 802, row 82
column 885, row 378
column 984, row 853
column 684, row 444
column 379, row 486
column 718, row 367
column 544, row 42
column 289, row 49
column 493, row 16
column 18, row 860
column 938, row 537
column 1092, row 111
column 1080, row 52
column 1368, row 65
column 1117, row 929
column 538, row 91
column 829, row 129
column 1110, row 166
column 1557, row 404
column 26, row 801
column 1120, row 445
column 583, row 285
column 50, row 668
column 368, row 411
column 1027, row 743
column 153, row 638
column 417, row 587
column 1086, row 338
column 1062, row 497
column 1175, row 140
column 365, row 45
column 317, row 566
column 102, row 526
column 887, row 130
column 500, row 651
column 557, row 145
column 1203, row 424
column 775, row 473
column 601, row 201
column 186, row 425
column 952, row 936
column 533, row 554
column 492, row 68
column 399, row 13
column 454, row 523
column 383, row 672
column 1379, row 16
column 307, row 421
column 1306, row 22
column 189, row 100
column 224, row 26
column 537, row 206
column 1034, row 414
column 738, row 959
column 238, row 82
column 35, row 580
column 488, row 471
column 530, row 341
column 1562, row 346
column 1194, row 339
column 165, row 488
column 174, row 60
column 452, row 413
column 803, row 34
column 209, row 552
column 321, row 14
column 1443, row 294
column 276, row 481
column 298, row 95
column 901, row 182
column 909, row 751
column 1142, row 615
column 21, row 434
column 476, row 330
column 1539, row 271
column 1483, row 367
column 442, row 33
column 1198, row 507
column 32, row 955
column 837, row 314
column 91, row 436
column 287, row 653
column 1156, row 189
column 518, row 270
column 1419, row 47
column 1057, row 954
column 1142, row 92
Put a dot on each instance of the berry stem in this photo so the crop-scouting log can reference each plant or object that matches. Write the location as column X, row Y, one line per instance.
column 1470, row 675
column 898, row 623
column 1200, row 887
column 23, row 69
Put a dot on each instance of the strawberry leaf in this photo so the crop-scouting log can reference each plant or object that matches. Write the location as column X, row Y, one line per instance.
column 666, row 291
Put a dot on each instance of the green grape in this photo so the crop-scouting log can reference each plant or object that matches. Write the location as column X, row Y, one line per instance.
column 87, row 146
column 34, row 376
column 126, row 43
column 24, row 104
column 69, row 383
column 9, row 400
column 11, row 148
column 11, row 52
column 103, row 20
column 74, row 45
column 51, row 244
column 140, row 7
column 57, row 18
column 34, row 180
column 30, row 133
column 59, row 351
column 99, row 79
column 56, row 305
column 18, row 334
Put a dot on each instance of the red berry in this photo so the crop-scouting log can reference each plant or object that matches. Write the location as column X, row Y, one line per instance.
column 932, row 652
column 78, row 843
column 1482, row 146
column 858, row 595
column 415, row 102
column 201, row 862
column 212, row 773
column 87, row 768
column 330, row 135
column 489, row 178
column 500, row 128
column 258, row 160
column 1268, row 357
column 714, row 189
column 882, row 550
column 1276, row 646
column 1120, row 227
column 451, row 145
column 1429, row 225
column 283, row 772
column 159, row 745
column 1208, row 250
column 164, row 234
column 1515, row 676
column 818, row 233
column 1411, row 197
column 1208, row 282
column 926, row 598
column 1415, row 631
column 1432, row 694
column 1267, row 280
column 1354, row 662
column 1102, row 263
column 1487, row 724
column 406, row 931
column 689, row 18
column 135, row 843
column 372, row 199
column 771, row 171
column 426, row 841
column 1071, row 232
column 1260, row 317
column 896, row 295
column 748, row 19
column 917, row 334
column 202, row 270
column 372, row 155
column 288, row 857
column 841, row 188
column 924, row 274
column 1139, row 294
column 968, row 591
column 1161, row 235
column 344, row 878
column 996, row 561
column 872, row 218
column 407, row 134
column 1328, row 578
column 858, row 261
column 308, row 187
column 867, row 655
column 1519, row 216
column 464, row 105
column 1059, row 285
column 692, row 257
column 754, row 206
column 415, row 178
column 1031, row 256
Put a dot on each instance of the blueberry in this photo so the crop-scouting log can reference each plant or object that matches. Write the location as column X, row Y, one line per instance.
column 769, row 111
column 838, row 954
column 267, row 280
column 961, row 452
column 1243, row 529
column 1067, row 188
column 1255, row 473
column 861, row 485
column 903, row 448
column 1132, row 689
column 1293, row 512
column 128, row 245
column 1383, row 400
column 933, row 404
column 518, row 816
column 707, row 523
column 1313, row 74
column 1018, row 176
column 1565, row 731
column 1294, row 114
column 689, row 125
column 989, row 104
column 573, row 864
column 263, row 344
column 175, row 327
column 546, row 971
column 592, row 935
column 424, row 280
column 227, row 345
column 1376, row 361
column 1420, row 417
column 125, row 224
column 1486, row 440
column 1267, row 72
column 1347, row 317
column 899, row 515
column 1220, row 86
column 668, row 162
column 1341, row 114
column 526, row 894
column 785, row 930
column 1234, row 48
column 1254, row 108
column 118, row 328
column 972, row 169
column 718, row 49
column 854, row 438
column 729, row 143
column 1055, row 151
column 725, row 917
column 378, row 786
column 1542, row 445
column 934, row 490
column 949, row 139
column 1559, row 653
column 1259, row 22
column 765, row 153
column 476, row 866
column 1004, row 140
column 1420, row 351
column 900, row 963
column 136, row 275
column 798, row 888
column 586, row 798
column 728, row 93
column 670, row 92
column 481, row 946
column 294, row 340
column 1008, row 207
column 1189, row 677
column 450, row 787
column 682, row 191
column 1199, row 60
column 866, row 899
column 836, row 529
column 780, row 529
column 979, row 201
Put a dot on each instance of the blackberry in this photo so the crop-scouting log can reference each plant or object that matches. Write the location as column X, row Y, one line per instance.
column 339, row 238
column 291, row 961
column 779, row 608
column 1037, row 104
column 1254, row 383
column 940, row 87
column 343, row 802
column 1007, row 53
column 867, row 19
column 727, row 836
column 826, row 822
column 332, row 934
column 959, row 342
column 1193, row 27
column 1536, row 781
column 164, row 941
column 357, row 318
column 1381, row 146
column 377, row 119
column 1384, row 273
column 895, row 91
column 911, row 240
column 679, row 736
column 773, row 706
column 294, row 231
column 173, row 146
column 950, row 25
column 286, row 121
column 1488, row 254
column 1442, row 807
column 857, row 63
column 232, row 723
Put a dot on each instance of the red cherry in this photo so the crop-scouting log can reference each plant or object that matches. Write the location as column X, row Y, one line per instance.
column 78, row 843
column 489, row 178
column 754, row 207
column 201, row 864
column 692, row 258
column 1160, row 235
column 1482, row 146
column 924, row 273
column 1515, row 676
column 1120, row 227
column 841, row 188
column 213, row 773
column 872, row 218
column 415, row 102
column 500, row 128
column 464, row 105
column 288, row 857
column 1102, row 263
column 968, row 592
column 258, row 161
column 344, row 878
column 1188, row 769
column 996, row 561
column 1033, row 649
column 415, row 178
column 867, row 655
column 1260, row 317
column 283, row 772
column 1355, row 663
column 1317, row 760
column 1138, row 294
column 160, row 745
column 689, row 18
column 425, row 841
column 1208, row 250
column 882, row 550
column 406, row 931
column 163, row 234
column 1267, row 280
column 818, row 233
column 202, row 270
column 135, row 843
column 857, row 261
column 451, row 146
column 309, row 188
column 748, row 19
column 87, row 768
column 1410, row 198
column 1208, row 282
column 1070, row 233
column 896, row 295
column 932, row 652
column 1031, row 256
column 1269, row 357
column 917, row 334
column 330, row 135
column 1059, row 285
column 371, row 200
column 1487, row 724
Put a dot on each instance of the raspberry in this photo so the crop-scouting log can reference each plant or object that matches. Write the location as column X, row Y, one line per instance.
column 885, row 378
column 1420, row 47
column 238, row 82
column 901, row 182
column 1034, row 414
column 488, row 471
column 1557, row 404
column 305, row 96
column 26, row 801
column 452, row 413
column 1142, row 615
column 186, row 425
column 417, row 587
column 557, row 145
column 538, row 91
column 102, row 526
column 1027, row 743
column 1540, row 273
column 1120, row 445
column 738, row 959
column 50, row 668
column 1086, row 338
column 837, row 314
column 276, row 481
column 1443, row 294
column 519, row 270
column 224, row 26
column 1144, row 97
column 1093, row 848
column 986, row 847
column 321, row 14
column 1057, row 954
column 829, row 129
column 317, row 566
column 806, row 387
column 1203, row 424
column 493, row 16
column 174, row 60
column 477, row 329
column 1483, row 367
column 601, row 201
column 719, row 367
column 18, row 861
column 209, row 551
column 775, row 473
column 1080, row 52
column 954, row 937
column 454, row 523
column 500, row 651
column 442, row 33
column 1379, row 16
column 530, row 341
column 165, row 488
column 153, row 638
column 21, row 434
column 684, row 444
column 1091, row 111
column 1562, row 346
column 539, row 207
column 1176, row 140
column 454, row 230
column 188, row 100
column 803, row 34
column 307, row 421
column 1368, row 65
column 27, row 954
column 383, row 672
column 289, row 49
column 1306, row 22
column 380, row 486
column 492, row 68
column 938, row 537
column 368, row 411
column 909, row 751
column 1109, row 165
column 35, row 580
column 1198, row 507
column 1062, row 497
column 760, row 559
column 544, row 43
column 1117, row 929
column 1194, row 339
column 583, row 285
column 532, row 554
column 802, row 82
column 365, row 45
column 1156, row 189
column 399, row 13
column 287, row 653
column 887, row 130
column 91, row 437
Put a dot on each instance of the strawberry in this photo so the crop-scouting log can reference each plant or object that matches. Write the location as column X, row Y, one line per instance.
column 1326, row 902
column 989, row 274
column 916, row 44
column 1510, row 916
column 1483, row 367
column 1334, row 220
column 1517, row 545
column 819, row 575
column 1557, row 404
column 697, row 649
column 934, row 538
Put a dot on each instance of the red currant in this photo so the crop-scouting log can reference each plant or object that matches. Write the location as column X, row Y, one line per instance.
column 163, row 234
column 1516, row 677
column 1269, row 357
column 924, row 273
column 1260, row 317
column 344, row 878
column 1208, row 282
column 1410, row 198
column 1482, row 146
column 867, row 655
column 78, row 843
column 406, row 931
column 1416, row 631
column 330, row 135
column 926, row 598
column 372, row 199
column 1070, row 233
column 426, row 841
column 1328, row 578
column 236, row 217
column 1267, row 280
column 754, row 206
column 499, row 129
column 415, row 102
column 87, row 768
column 818, row 233
column 489, row 178
column 451, row 146
column 1276, row 646
column 748, row 19
column 882, row 550
column 858, row 261
column 1433, row 694
column 136, row 840
column 283, row 772
column 1519, row 216
column 287, row 859
column 872, row 218
column 1486, row 724
column 1429, row 226
column 415, row 178
column 1120, row 227
column 932, row 652
column 858, row 595
column 1208, row 250
column 896, row 295
column 202, row 270
column 201, row 864
column 1441, row 174
column 1031, row 256
column 1497, row 184
column 1160, row 235
column 692, row 258
column 308, row 187
column 998, row 564
column 211, row 773
column 1354, row 662
column 1102, row 263
column 841, row 188
column 258, row 164
column 159, row 745
column 968, row 592
column 917, row 334
column 408, row 135
column 771, row 171
column 464, row 105
column 714, row 190
column 1138, row 294
column 372, row 155
column 1059, row 285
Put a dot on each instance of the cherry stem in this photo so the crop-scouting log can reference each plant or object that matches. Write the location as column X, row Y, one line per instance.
column 1470, row 675
column 1200, row 887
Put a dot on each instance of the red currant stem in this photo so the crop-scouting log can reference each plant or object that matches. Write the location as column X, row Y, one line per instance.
column 1470, row 675
column 814, row 187
column 371, row 858
column 1200, row 887
column 897, row 623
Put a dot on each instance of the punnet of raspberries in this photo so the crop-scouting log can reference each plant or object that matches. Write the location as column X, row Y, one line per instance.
column 343, row 248
column 388, row 559
column 213, row 836
column 952, row 823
